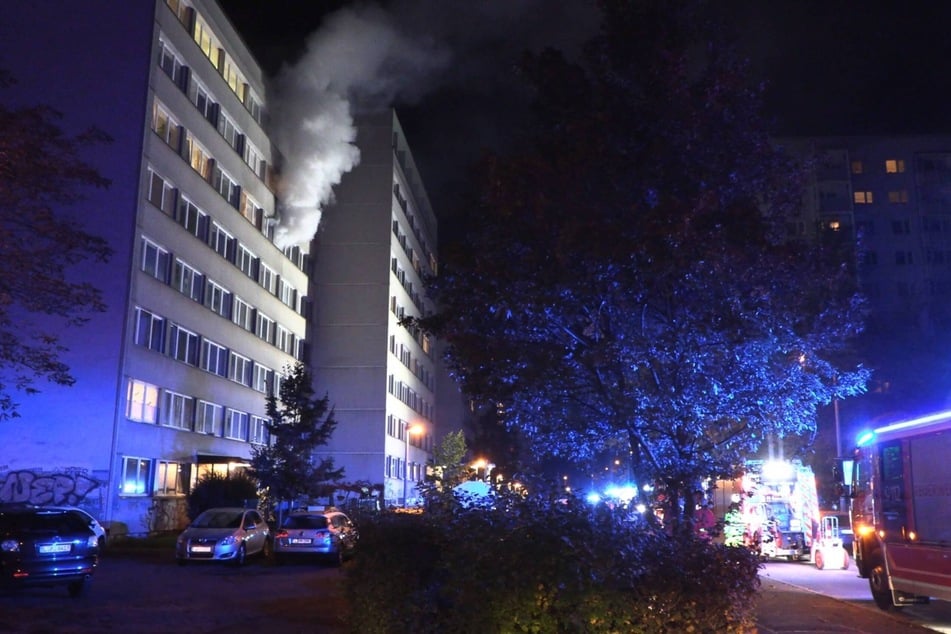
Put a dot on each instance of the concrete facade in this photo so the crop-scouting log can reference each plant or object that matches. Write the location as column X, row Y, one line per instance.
column 203, row 309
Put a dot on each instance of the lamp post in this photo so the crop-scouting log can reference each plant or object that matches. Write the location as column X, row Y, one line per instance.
column 408, row 430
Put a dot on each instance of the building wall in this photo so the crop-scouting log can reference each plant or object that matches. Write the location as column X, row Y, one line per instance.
column 374, row 245
column 78, row 444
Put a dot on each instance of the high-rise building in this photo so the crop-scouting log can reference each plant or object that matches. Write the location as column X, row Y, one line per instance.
column 375, row 247
column 203, row 310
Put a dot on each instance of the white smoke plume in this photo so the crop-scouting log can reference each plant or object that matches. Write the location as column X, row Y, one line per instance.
column 358, row 61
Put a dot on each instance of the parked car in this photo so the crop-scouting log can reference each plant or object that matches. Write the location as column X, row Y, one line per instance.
column 91, row 521
column 41, row 546
column 224, row 534
column 328, row 534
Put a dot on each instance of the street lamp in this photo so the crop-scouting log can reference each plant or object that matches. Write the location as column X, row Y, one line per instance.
column 408, row 430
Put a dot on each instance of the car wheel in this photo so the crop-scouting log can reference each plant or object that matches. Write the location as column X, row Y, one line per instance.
column 845, row 560
column 267, row 551
column 820, row 560
column 878, row 583
column 76, row 588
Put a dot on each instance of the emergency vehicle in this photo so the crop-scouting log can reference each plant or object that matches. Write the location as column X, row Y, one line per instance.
column 778, row 507
column 901, row 510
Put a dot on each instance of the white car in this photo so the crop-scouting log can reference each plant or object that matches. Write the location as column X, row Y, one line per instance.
column 224, row 534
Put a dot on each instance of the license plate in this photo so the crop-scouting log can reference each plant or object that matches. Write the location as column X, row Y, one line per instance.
column 201, row 549
column 47, row 549
column 300, row 540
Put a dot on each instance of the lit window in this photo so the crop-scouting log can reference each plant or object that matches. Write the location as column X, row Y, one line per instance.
column 894, row 166
column 141, row 401
column 166, row 127
column 135, row 476
column 857, row 167
column 198, row 157
column 900, row 196
column 863, row 198
column 168, row 479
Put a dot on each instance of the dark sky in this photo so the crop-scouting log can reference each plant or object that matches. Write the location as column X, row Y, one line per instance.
column 832, row 66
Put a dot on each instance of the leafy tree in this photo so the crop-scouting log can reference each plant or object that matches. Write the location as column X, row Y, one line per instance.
column 449, row 463
column 41, row 173
column 299, row 423
column 628, row 290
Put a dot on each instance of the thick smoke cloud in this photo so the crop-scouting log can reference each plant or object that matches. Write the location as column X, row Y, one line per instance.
column 360, row 60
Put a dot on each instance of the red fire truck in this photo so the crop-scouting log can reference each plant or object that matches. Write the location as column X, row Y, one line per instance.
column 901, row 510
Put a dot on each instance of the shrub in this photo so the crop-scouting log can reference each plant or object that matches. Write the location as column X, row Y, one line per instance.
column 534, row 566
column 212, row 490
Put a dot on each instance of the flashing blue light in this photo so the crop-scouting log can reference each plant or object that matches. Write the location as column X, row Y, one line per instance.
column 593, row 498
column 866, row 438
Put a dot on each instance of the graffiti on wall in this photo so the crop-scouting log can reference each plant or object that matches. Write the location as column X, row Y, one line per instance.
column 67, row 487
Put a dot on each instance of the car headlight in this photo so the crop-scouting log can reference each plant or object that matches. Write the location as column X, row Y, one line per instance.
column 92, row 541
column 10, row 545
column 230, row 540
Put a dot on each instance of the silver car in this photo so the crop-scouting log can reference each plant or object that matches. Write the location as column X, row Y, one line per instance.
column 224, row 534
column 328, row 534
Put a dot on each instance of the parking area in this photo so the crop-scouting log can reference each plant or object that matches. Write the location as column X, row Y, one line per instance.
column 152, row 594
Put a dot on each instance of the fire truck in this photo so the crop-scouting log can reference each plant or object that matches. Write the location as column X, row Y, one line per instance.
column 778, row 507
column 900, row 502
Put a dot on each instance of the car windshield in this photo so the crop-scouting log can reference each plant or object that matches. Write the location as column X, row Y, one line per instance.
column 218, row 519
column 305, row 521
column 42, row 522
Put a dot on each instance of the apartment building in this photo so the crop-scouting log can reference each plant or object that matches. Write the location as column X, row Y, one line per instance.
column 203, row 311
column 376, row 244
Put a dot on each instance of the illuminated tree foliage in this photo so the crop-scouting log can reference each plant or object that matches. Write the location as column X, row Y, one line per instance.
column 627, row 289
column 41, row 175
column 299, row 423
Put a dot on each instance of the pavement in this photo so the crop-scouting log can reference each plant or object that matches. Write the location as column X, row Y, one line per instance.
column 784, row 608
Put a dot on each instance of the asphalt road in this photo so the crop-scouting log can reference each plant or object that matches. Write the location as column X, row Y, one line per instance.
column 797, row 597
column 155, row 595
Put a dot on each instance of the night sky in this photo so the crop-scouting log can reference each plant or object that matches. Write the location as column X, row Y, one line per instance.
column 831, row 67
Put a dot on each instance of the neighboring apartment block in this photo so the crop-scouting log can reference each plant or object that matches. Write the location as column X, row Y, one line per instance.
column 893, row 195
column 376, row 245
column 203, row 309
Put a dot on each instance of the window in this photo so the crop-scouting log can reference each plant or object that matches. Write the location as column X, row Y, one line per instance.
column 900, row 196
column 177, row 410
column 226, row 186
column 206, row 41
column 208, row 418
column 857, row 167
column 155, row 260
column 242, row 314
column 135, row 476
column 250, row 210
column 267, row 278
column 236, row 424
column 901, row 227
column 183, row 345
column 193, row 219
column 265, row 327
column 894, row 166
column 214, row 357
column 258, row 434
column 247, row 261
column 198, row 157
column 221, row 241
column 287, row 293
column 166, row 127
column 217, row 299
column 187, row 280
column 169, row 62
column 168, row 479
column 161, row 193
column 239, row 369
column 284, row 339
column 254, row 159
column 262, row 378
column 228, row 130
column 199, row 96
column 149, row 330
column 862, row 198
column 141, row 403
